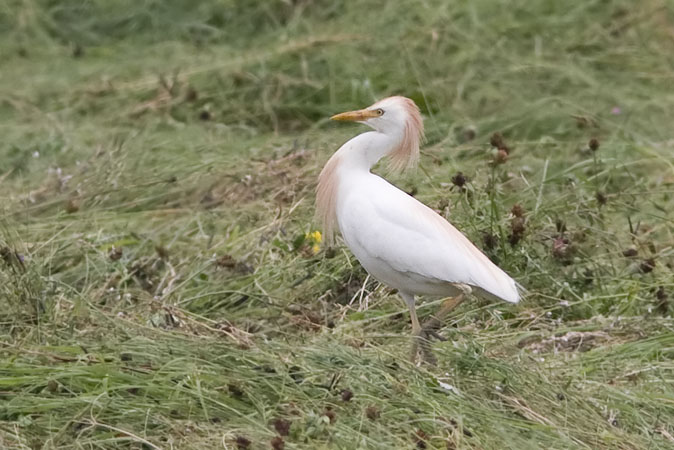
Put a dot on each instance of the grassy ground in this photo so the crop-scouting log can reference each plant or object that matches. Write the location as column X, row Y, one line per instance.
column 159, row 285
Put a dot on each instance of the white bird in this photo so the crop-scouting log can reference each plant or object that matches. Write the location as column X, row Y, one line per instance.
column 400, row 241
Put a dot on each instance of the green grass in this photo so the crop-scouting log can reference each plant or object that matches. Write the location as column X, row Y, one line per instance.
column 157, row 168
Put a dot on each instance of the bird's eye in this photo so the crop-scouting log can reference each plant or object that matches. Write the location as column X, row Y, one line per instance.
column 379, row 112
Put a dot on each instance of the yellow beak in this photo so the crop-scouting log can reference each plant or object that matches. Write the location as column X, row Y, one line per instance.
column 355, row 116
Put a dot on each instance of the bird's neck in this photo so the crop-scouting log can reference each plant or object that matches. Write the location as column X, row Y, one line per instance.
column 354, row 158
column 365, row 150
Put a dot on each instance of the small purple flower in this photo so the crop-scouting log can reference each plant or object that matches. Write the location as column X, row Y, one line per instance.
column 616, row 110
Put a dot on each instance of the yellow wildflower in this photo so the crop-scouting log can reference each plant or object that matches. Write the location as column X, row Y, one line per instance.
column 313, row 239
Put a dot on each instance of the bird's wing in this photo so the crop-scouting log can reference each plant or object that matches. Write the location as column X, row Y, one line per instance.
column 413, row 238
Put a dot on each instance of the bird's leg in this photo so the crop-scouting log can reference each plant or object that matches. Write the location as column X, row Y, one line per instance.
column 416, row 326
column 431, row 326
column 416, row 334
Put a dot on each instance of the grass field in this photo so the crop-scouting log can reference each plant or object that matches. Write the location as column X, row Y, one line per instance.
column 161, row 282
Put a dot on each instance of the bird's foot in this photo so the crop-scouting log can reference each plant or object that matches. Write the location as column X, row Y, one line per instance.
column 422, row 342
column 422, row 346
column 429, row 329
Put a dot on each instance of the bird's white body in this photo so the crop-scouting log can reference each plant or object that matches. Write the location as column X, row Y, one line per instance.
column 402, row 242
column 399, row 240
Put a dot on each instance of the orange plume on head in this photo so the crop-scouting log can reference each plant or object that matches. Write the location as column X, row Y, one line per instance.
column 406, row 155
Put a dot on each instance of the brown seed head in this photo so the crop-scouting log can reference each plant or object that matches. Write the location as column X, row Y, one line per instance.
column 372, row 413
column 561, row 248
column 647, row 265
column 514, row 239
column 115, row 253
column 663, row 301
column 660, row 294
column 162, row 252
column 347, row 395
column 235, row 390
column 489, row 240
column 496, row 140
column 242, row 442
column 517, row 210
column 517, row 227
column 52, row 386
column 72, row 206
column 225, row 261
column 501, row 157
column 421, row 437
column 459, row 179
column 282, row 426
column 630, row 252
column 191, row 94
column 601, row 198
column 277, row 443
column 593, row 144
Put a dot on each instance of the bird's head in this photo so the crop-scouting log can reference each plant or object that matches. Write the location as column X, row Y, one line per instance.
column 395, row 116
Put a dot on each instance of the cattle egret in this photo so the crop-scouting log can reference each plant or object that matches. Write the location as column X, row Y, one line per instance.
column 400, row 241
